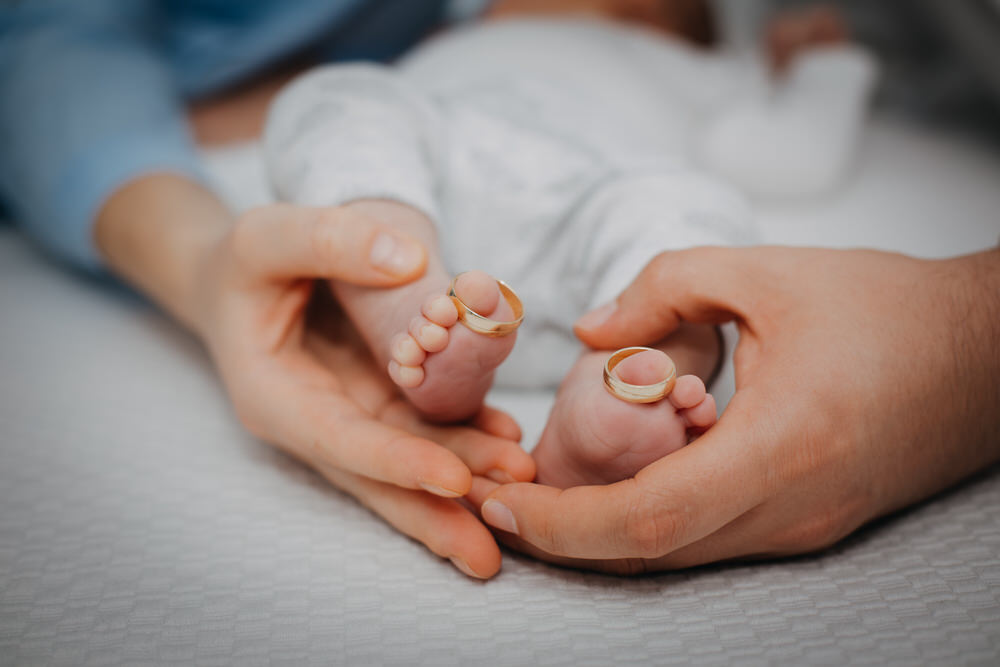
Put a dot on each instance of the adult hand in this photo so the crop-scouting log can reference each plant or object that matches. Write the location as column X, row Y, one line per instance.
column 865, row 381
column 306, row 384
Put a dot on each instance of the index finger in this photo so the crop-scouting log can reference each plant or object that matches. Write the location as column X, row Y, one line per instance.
column 674, row 502
column 706, row 285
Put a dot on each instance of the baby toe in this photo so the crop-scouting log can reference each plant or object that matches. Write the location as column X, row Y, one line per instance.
column 643, row 368
column 702, row 415
column 440, row 310
column 406, row 351
column 479, row 291
column 407, row 377
column 431, row 337
column 688, row 392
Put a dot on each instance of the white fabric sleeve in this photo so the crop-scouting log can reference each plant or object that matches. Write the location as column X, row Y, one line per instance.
column 639, row 215
column 347, row 132
column 800, row 139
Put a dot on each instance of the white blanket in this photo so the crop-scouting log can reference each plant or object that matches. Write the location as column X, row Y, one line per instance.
column 141, row 525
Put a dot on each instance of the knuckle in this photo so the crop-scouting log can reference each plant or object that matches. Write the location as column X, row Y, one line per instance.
column 680, row 270
column 651, row 527
column 814, row 533
column 319, row 241
column 552, row 538
column 690, row 265
column 545, row 529
column 660, row 268
column 323, row 240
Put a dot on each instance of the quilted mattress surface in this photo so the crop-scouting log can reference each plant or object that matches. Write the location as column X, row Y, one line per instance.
column 139, row 524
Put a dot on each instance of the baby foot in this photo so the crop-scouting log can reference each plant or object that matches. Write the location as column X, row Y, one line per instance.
column 445, row 370
column 793, row 32
column 593, row 437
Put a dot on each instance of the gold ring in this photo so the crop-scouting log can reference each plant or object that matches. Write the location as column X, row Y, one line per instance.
column 484, row 325
column 637, row 393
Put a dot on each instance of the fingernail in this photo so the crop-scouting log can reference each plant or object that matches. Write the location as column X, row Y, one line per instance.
column 463, row 566
column 500, row 476
column 395, row 256
column 499, row 516
column 596, row 318
column 439, row 490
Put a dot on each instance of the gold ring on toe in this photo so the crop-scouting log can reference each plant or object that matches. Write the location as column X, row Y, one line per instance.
column 484, row 325
column 637, row 393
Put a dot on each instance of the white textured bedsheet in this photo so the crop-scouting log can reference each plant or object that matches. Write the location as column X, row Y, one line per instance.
column 139, row 524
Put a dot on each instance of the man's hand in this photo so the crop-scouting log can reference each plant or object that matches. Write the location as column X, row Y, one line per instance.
column 865, row 381
column 302, row 383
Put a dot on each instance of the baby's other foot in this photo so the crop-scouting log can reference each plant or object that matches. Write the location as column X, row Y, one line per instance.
column 592, row 437
column 443, row 369
column 795, row 31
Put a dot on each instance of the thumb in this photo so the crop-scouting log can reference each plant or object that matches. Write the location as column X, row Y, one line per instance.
column 675, row 501
column 287, row 241
column 702, row 285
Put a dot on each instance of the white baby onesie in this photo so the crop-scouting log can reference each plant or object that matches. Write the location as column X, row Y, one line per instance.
column 550, row 153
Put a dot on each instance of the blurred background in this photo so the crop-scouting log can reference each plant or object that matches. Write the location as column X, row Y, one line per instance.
column 940, row 60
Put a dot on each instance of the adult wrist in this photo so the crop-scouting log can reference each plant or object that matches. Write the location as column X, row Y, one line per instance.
column 972, row 294
column 975, row 291
column 157, row 233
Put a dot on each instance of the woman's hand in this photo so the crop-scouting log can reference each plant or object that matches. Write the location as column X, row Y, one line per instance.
column 304, row 383
column 865, row 381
